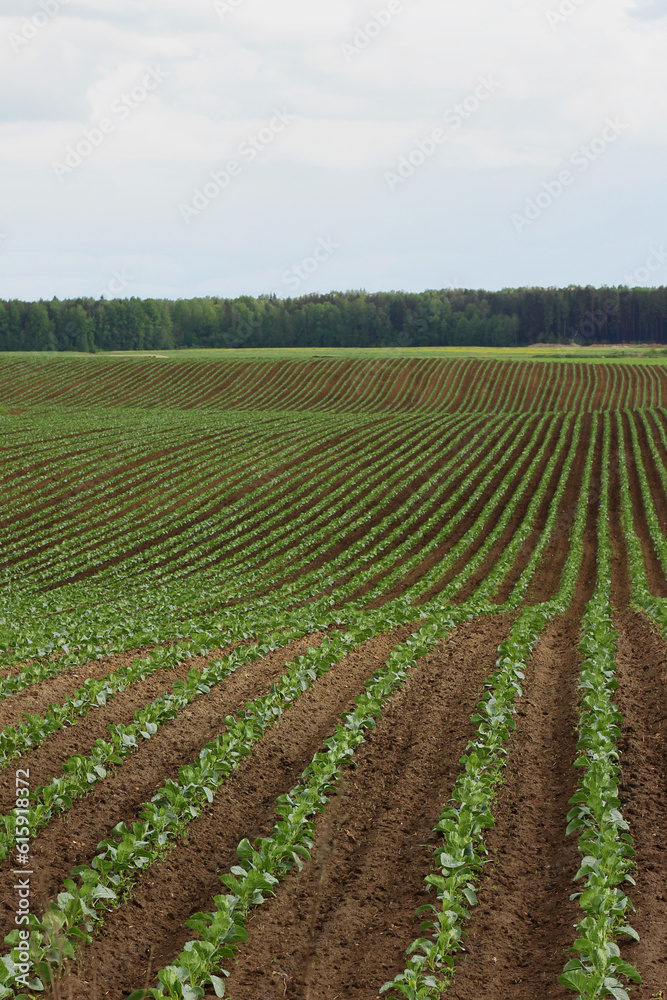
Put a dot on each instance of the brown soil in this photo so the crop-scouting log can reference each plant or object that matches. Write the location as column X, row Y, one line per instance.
column 642, row 700
column 654, row 480
column 286, row 495
column 244, row 806
column 340, row 927
column 100, row 480
column 326, row 383
column 113, row 503
column 37, row 698
column 517, row 935
column 232, row 497
column 424, row 504
column 378, row 513
column 566, row 376
column 427, row 510
column 654, row 424
column 524, row 921
column 104, row 508
column 46, row 761
column 68, row 840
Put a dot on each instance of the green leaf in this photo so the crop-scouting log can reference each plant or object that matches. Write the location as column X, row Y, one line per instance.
column 628, row 971
column 575, row 980
column 617, row 992
column 218, row 985
column 447, row 861
column 245, row 850
column 102, row 892
column 470, row 895
column 629, row 931
column 192, row 992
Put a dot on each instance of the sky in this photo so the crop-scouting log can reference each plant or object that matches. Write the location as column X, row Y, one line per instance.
column 179, row 148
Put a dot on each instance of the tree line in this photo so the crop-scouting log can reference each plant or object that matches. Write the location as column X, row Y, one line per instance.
column 451, row 317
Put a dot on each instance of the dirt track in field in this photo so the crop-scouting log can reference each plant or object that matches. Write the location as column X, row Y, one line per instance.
column 340, row 927
column 244, row 806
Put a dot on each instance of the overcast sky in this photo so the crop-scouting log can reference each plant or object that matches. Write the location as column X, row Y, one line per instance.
column 174, row 148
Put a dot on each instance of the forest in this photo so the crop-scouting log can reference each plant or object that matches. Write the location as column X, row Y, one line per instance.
column 449, row 317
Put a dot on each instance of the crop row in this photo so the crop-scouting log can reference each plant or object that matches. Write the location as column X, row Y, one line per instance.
column 176, row 497
column 384, row 384
column 246, row 578
column 604, row 838
column 461, row 856
column 113, row 613
column 79, row 909
column 97, row 894
column 205, row 960
column 97, row 889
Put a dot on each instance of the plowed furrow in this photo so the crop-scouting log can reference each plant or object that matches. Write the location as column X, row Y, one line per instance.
column 71, row 839
column 524, row 922
column 186, row 881
column 341, row 927
column 642, row 701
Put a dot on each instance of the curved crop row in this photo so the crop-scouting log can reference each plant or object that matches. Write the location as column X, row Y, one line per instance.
column 462, row 824
column 604, row 838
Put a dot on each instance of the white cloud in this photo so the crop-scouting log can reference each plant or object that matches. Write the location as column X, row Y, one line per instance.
column 355, row 118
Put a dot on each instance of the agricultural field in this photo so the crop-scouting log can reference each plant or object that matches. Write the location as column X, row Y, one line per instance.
column 333, row 677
